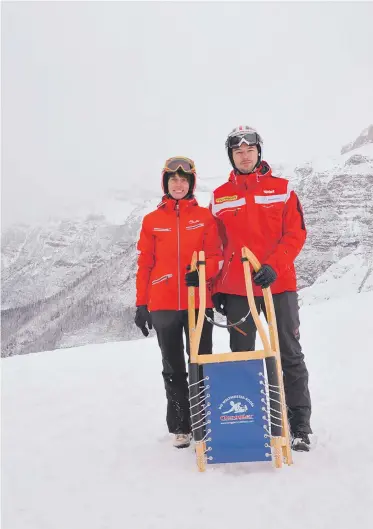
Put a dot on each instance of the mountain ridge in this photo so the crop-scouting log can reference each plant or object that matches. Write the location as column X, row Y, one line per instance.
column 72, row 281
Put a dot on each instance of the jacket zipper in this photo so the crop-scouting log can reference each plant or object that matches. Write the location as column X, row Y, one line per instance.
column 229, row 264
column 178, row 251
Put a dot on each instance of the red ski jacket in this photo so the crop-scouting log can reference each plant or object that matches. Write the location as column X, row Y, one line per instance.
column 168, row 238
column 262, row 212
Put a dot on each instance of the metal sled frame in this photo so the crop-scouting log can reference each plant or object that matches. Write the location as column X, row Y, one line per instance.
column 280, row 444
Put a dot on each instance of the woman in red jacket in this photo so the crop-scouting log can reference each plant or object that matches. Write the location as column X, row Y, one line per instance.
column 168, row 238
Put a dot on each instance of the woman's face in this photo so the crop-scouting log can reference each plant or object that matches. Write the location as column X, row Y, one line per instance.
column 178, row 186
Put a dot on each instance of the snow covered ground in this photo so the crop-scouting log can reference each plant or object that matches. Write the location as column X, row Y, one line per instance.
column 85, row 444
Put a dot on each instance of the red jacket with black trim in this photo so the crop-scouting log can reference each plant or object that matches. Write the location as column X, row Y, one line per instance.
column 168, row 238
column 262, row 212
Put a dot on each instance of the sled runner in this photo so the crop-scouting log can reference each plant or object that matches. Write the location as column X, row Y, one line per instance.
column 237, row 400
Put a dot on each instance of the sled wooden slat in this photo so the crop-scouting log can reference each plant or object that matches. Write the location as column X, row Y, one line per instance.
column 234, row 357
column 251, row 301
column 195, row 332
column 196, row 336
column 200, row 454
column 191, row 311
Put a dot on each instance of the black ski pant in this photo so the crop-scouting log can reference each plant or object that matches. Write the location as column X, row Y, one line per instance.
column 293, row 365
column 169, row 326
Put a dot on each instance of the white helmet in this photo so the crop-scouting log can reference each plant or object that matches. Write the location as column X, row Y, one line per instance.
column 243, row 134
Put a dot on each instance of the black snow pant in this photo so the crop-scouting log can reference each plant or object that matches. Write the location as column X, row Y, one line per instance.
column 169, row 326
column 293, row 365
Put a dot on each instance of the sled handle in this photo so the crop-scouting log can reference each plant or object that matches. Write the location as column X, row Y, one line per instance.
column 191, row 308
column 249, row 258
column 268, row 301
column 195, row 330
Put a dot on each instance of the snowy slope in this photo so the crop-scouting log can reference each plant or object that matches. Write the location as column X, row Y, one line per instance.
column 85, row 444
column 351, row 274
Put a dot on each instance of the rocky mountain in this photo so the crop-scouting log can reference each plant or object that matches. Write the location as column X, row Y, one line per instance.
column 72, row 281
column 337, row 198
column 365, row 138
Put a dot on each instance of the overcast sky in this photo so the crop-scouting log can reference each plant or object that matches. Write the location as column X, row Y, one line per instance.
column 96, row 95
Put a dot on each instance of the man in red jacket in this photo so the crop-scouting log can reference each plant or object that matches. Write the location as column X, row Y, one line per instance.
column 168, row 238
column 260, row 211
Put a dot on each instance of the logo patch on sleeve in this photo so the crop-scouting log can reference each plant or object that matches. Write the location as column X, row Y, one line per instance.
column 226, row 199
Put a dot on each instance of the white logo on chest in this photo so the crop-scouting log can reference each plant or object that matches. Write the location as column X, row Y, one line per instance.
column 268, row 191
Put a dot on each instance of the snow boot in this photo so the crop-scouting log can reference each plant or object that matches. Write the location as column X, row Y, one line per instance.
column 182, row 440
column 300, row 442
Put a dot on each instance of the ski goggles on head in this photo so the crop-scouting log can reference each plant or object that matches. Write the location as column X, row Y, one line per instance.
column 173, row 165
column 250, row 138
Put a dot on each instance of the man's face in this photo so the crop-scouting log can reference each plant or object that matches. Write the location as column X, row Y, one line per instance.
column 178, row 186
column 245, row 157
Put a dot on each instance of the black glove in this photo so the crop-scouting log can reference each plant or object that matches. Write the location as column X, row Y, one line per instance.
column 142, row 318
column 220, row 300
column 192, row 279
column 265, row 276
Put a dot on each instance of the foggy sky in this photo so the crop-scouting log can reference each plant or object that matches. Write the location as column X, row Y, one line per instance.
column 97, row 95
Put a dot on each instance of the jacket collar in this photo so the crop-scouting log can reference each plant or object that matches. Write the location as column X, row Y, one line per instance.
column 242, row 179
column 170, row 204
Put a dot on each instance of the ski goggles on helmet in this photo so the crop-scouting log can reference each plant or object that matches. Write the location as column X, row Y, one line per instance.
column 250, row 138
column 177, row 163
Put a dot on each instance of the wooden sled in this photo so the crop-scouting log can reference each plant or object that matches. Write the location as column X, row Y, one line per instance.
column 242, row 424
